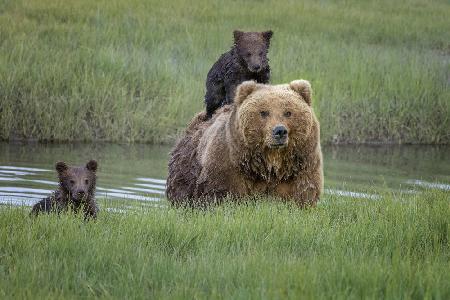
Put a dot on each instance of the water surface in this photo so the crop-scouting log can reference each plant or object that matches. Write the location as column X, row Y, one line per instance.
column 134, row 174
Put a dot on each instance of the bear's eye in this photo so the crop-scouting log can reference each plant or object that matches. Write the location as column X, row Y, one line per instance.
column 264, row 113
column 287, row 114
column 261, row 53
column 86, row 181
column 248, row 54
column 72, row 181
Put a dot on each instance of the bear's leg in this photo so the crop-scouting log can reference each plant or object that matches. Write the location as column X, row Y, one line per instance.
column 308, row 197
column 230, row 92
column 263, row 76
column 302, row 193
column 215, row 93
column 90, row 210
column 45, row 205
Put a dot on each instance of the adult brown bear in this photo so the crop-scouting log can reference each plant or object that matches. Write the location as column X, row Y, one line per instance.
column 267, row 142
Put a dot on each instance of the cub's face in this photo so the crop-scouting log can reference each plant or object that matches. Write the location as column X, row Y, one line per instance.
column 275, row 117
column 79, row 182
column 252, row 48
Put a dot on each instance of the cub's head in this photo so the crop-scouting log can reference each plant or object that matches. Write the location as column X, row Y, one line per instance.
column 252, row 48
column 78, row 182
column 274, row 117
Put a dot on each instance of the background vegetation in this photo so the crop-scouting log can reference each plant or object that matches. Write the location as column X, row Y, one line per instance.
column 393, row 248
column 121, row 70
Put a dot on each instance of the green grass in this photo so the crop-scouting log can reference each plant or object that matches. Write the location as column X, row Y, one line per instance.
column 393, row 248
column 133, row 71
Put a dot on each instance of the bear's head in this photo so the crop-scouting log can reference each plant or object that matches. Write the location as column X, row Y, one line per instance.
column 252, row 48
column 276, row 117
column 77, row 182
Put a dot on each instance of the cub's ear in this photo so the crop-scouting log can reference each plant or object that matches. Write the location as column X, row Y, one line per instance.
column 244, row 90
column 267, row 35
column 61, row 167
column 303, row 88
column 92, row 166
column 237, row 35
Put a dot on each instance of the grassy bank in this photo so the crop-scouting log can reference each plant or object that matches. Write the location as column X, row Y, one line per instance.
column 135, row 70
column 393, row 248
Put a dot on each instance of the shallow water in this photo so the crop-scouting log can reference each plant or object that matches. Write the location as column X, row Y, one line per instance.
column 136, row 173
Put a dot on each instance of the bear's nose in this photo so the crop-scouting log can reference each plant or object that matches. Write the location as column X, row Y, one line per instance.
column 279, row 131
column 256, row 67
column 80, row 193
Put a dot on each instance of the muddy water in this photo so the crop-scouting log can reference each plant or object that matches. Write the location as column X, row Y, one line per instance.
column 136, row 173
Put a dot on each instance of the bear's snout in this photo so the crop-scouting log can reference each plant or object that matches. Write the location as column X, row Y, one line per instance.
column 279, row 135
column 256, row 67
column 78, row 195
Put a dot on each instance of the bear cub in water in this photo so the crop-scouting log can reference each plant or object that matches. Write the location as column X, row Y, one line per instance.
column 76, row 191
column 247, row 60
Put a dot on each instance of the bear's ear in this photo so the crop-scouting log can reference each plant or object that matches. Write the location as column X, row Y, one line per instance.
column 244, row 90
column 237, row 35
column 61, row 167
column 303, row 88
column 267, row 35
column 92, row 165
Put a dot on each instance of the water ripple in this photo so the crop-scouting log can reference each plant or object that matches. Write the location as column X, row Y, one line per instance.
column 431, row 185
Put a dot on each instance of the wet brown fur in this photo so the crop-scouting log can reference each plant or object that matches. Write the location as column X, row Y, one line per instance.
column 76, row 191
column 232, row 153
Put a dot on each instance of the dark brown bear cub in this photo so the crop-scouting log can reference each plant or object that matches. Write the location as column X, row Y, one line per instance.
column 76, row 191
column 247, row 60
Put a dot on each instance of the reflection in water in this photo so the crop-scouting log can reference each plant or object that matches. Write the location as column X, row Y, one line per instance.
column 25, row 169
column 17, row 173
column 136, row 172
column 351, row 194
column 158, row 181
column 24, row 190
column 431, row 185
column 154, row 186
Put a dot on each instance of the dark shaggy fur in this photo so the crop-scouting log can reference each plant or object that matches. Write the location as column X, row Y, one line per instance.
column 76, row 191
column 247, row 60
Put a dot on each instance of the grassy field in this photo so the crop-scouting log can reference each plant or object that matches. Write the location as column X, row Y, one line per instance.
column 393, row 248
column 135, row 70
